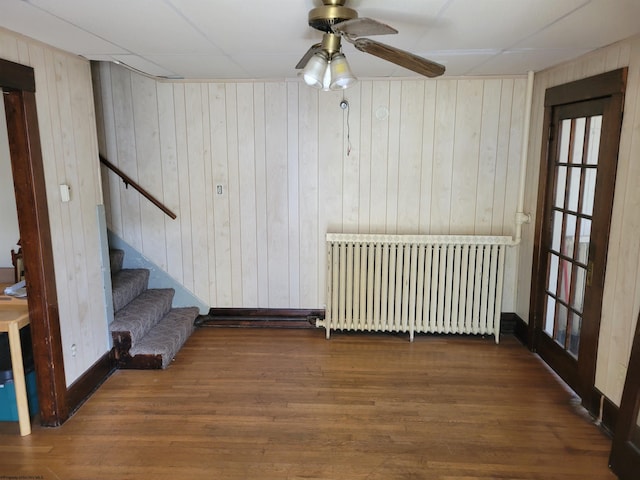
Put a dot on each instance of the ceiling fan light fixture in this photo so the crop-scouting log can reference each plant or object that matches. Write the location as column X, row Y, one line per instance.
column 341, row 75
column 315, row 70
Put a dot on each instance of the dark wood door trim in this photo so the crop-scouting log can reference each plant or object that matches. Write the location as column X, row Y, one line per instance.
column 625, row 457
column 18, row 84
column 612, row 86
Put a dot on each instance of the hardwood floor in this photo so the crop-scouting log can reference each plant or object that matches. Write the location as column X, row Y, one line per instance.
column 288, row 404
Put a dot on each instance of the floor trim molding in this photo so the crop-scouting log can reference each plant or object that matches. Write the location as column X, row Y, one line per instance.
column 260, row 317
column 80, row 390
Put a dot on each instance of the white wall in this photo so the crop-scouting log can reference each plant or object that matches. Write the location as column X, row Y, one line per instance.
column 621, row 301
column 427, row 156
column 66, row 117
column 9, row 233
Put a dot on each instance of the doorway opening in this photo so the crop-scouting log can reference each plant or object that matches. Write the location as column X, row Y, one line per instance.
column 18, row 92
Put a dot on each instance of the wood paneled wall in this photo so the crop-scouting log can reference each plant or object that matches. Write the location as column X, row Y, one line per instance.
column 622, row 282
column 407, row 156
column 9, row 233
column 66, row 118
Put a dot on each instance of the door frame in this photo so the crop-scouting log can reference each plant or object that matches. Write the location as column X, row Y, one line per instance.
column 612, row 85
column 625, row 457
column 18, row 84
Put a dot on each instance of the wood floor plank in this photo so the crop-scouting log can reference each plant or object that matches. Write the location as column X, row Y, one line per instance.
column 288, row 404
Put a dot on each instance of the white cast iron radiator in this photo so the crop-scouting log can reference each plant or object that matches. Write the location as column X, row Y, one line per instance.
column 414, row 283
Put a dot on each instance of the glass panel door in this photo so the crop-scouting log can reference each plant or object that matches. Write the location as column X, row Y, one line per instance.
column 569, row 269
column 582, row 124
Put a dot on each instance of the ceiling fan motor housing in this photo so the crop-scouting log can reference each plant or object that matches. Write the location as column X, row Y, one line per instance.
column 331, row 13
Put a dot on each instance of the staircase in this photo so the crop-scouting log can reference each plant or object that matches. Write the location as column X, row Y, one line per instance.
column 147, row 333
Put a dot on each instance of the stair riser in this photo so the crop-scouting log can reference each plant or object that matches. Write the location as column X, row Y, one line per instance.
column 127, row 285
column 168, row 336
column 116, row 258
column 142, row 313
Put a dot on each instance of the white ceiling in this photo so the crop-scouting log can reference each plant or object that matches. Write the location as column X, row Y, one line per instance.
column 264, row 39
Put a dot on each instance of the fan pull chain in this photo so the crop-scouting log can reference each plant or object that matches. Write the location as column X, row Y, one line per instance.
column 344, row 104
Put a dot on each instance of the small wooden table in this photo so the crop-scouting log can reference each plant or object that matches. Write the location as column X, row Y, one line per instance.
column 12, row 318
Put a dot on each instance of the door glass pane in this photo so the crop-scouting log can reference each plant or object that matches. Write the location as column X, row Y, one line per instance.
column 595, row 126
column 557, row 231
column 588, row 191
column 549, row 316
column 565, row 141
column 574, row 188
column 582, row 254
column 564, row 280
column 578, row 288
column 634, row 438
column 561, row 186
column 553, row 273
column 569, row 235
column 561, row 325
column 578, row 139
column 574, row 339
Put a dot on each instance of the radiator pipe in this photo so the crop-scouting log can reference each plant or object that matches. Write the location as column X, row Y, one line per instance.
column 521, row 216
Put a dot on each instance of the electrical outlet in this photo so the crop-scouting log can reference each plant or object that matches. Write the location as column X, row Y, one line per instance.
column 219, row 189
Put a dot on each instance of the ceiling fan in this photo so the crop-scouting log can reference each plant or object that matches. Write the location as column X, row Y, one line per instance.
column 324, row 65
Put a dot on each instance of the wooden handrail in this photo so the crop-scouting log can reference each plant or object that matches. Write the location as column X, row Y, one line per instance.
column 127, row 180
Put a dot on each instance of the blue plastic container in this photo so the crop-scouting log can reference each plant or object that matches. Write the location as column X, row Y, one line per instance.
column 8, row 406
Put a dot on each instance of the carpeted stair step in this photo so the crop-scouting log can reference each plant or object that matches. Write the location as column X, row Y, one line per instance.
column 127, row 284
column 116, row 257
column 161, row 344
column 137, row 318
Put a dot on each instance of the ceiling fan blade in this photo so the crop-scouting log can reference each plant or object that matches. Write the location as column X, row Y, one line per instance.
column 400, row 57
column 307, row 56
column 359, row 27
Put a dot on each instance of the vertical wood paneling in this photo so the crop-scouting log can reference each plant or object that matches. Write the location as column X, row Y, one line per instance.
column 70, row 173
column 308, row 167
column 503, row 155
column 364, row 156
column 247, row 190
column 110, row 188
column 233, row 192
column 184, row 213
column 426, row 157
column 514, row 155
column 379, row 148
column 195, row 133
column 466, row 151
column 428, row 149
column 66, row 118
column 261, row 193
column 200, row 212
column 170, row 186
column 442, row 171
column 147, row 140
column 393, row 156
column 90, row 194
column 125, row 156
column 351, row 161
column 293, row 194
column 277, row 193
column 218, row 122
column 487, row 155
column 410, row 156
column 621, row 282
